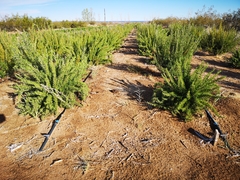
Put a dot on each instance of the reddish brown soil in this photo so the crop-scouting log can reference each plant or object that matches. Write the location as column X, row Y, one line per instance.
column 117, row 135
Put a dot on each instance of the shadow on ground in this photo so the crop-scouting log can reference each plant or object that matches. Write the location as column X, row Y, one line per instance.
column 146, row 71
column 225, row 71
column 136, row 91
column 2, row 118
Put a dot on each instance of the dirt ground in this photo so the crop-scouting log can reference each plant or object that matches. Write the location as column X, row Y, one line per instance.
column 117, row 134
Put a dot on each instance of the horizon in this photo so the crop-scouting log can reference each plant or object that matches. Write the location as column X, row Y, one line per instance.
column 144, row 10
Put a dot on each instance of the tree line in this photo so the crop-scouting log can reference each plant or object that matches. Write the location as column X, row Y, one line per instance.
column 24, row 22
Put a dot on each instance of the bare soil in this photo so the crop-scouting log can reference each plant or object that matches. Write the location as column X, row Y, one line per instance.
column 116, row 134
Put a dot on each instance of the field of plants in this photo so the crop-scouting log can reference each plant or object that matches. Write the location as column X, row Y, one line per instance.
column 128, row 91
column 50, row 66
column 185, row 92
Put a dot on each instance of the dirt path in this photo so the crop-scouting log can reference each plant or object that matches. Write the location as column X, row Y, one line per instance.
column 116, row 134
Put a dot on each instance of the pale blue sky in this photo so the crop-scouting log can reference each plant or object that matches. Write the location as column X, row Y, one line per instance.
column 116, row 10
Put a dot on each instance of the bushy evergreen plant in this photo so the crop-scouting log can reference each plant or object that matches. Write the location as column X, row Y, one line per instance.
column 51, row 65
column 219, row 41
column 178, row 44
column 184, row 92
column 206, row 17
column 23, row 23
column 235, row 59
column 7, row 49
column 47, row 80
column 149, row 37
column 96, row 43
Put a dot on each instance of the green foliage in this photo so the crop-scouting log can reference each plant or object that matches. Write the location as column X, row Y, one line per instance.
column 168, row 21
column 183, row 92
column 219, row 40
column 97, row 43
column 23, row 23
column 208, row 17
column 166, row 46
column 68, row 24
column 149, row 37
column 97, row 49
column 235, row 59
column 47, row 80
column 50, row 65
column 3, row 69
column 7, row 49
column 179, row 43
column 103, row 41
column 59, row 42
column 41, row 23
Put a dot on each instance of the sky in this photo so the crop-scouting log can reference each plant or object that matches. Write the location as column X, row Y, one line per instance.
column 115, row 10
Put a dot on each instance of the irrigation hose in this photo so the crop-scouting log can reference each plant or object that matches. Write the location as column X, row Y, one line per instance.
column 214, row 125
column 55, row 122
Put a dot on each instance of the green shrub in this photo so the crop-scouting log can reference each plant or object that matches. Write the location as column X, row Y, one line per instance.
column 183, row 92
column 168, row 21
column 235, row 59
column 92, row 23
column 47, row 81
column 3, row 69
column 7, row 49
column 219, row 40
column 206, row 17
column 50, row 66
column 68, row 24
column 179, row 44
column 103, row 24
column 82, row 24
column 148, row 37
column 23, row 23
column 97, row 43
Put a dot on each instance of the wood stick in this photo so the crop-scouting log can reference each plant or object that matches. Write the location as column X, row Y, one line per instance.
column 215, row 137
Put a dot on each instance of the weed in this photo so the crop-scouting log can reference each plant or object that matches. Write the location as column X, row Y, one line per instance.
column 82, row 164
column 139, row 95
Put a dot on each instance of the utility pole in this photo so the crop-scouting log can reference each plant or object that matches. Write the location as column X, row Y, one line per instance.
column 104, row 15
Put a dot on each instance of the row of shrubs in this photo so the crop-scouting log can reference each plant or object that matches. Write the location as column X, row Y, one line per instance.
column 184, row 92
column 50, row 66
column 24, row 23
column 206, row 18
column 215, row 40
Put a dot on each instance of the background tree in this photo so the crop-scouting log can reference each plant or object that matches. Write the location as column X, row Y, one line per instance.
column 208, row 17
column 232, row 20
column 87, row 15
column 23, row 23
